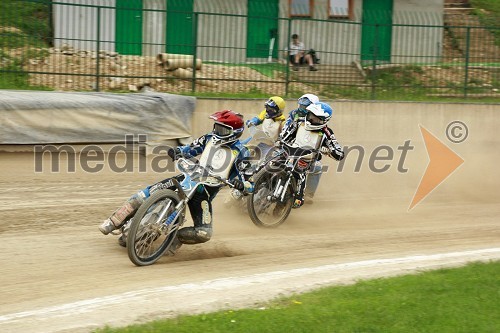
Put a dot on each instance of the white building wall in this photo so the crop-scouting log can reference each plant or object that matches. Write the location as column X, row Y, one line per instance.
column 222, row 38
column 418, row 44
column 76, row 26
column 336, row 41
column 154, row 31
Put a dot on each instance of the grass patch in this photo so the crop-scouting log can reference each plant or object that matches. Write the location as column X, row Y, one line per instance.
column 11, row 40
column 12, row 76
column 488, row 12
column 31, row 17
column 255, row 93
column 18, row 81
column 447, row 300
column 397, row 76
column 268, row 69
column 23, row 25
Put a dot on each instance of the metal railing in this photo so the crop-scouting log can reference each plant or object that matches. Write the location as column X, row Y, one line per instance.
column 110, row 48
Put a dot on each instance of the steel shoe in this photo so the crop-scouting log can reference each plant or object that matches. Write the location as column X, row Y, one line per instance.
column 107, row 226
column 172, row 249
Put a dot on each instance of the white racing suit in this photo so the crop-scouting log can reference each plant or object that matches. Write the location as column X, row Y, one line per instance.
column 270, row 126
column 295, row 134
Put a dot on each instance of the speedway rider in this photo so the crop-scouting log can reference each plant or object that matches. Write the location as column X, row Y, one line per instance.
column 312, row 131
column 300, row 112
column 298, row 115
column 271, row 117
column 220, row 151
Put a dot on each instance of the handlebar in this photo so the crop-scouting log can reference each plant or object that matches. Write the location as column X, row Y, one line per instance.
column 296, row 151
column 248, row 188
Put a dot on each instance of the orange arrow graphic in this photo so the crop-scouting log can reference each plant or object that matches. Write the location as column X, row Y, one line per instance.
column 442, row 162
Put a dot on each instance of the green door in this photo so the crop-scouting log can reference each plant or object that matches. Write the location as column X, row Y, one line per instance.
column 262, row 28
column 180, row 27
column 376, row 35
column 128, row 27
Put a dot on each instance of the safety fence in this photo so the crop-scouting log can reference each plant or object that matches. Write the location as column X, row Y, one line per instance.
column 127, row 45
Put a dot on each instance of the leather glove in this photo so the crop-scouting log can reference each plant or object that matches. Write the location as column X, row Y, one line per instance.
column 325, row 150
column 174, row 153
column 238, row 184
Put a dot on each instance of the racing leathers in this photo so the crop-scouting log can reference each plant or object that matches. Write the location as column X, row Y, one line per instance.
column 223, row 159
column 295, row 134
column 271, row 126
column 294, row 116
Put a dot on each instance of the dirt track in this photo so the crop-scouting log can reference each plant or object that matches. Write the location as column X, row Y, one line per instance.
column 58, row 273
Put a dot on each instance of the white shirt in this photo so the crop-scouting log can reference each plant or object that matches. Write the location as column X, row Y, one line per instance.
column 296, row 48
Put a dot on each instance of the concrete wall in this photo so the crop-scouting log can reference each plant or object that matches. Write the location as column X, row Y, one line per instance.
column 375, row 133
column 386, row 126
column 351, row 118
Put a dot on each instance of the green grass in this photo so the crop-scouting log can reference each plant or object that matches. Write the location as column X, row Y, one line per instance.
column 24, row 24
column 18, row 81
column 457, row 300
column 255, row 93
column 31, row 17
column 488, row 12
column 267, row 69
column 490, row 9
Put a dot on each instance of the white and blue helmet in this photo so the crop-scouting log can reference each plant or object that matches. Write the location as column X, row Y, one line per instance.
column 318, row 116
column 307, row 99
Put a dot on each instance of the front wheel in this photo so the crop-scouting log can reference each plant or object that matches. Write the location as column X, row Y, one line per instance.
column 266, row 209
column 154, row 227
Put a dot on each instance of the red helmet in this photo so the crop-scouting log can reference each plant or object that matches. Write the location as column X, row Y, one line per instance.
column 228, row 126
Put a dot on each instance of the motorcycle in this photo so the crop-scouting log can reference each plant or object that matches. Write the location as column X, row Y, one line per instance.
column 275, row 184
column 154, row 227
column 258, row 143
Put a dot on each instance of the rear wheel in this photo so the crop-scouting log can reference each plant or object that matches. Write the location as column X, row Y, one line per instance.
column 266, row 210
column 154, row 227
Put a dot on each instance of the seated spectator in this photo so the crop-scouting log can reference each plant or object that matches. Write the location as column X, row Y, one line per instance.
column 298, row 56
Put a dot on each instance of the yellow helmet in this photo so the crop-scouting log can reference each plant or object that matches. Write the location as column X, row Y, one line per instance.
column 275, row 107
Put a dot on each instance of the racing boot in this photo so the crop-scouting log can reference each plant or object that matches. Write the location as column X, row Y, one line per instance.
column 201, row 232
column 233, row 199
column 107, row 226
column 119, row 216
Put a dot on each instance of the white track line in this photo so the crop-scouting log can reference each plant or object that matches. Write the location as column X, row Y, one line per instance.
column 224, row 285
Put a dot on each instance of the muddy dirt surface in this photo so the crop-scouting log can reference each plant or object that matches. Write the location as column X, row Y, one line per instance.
column 60, row 274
